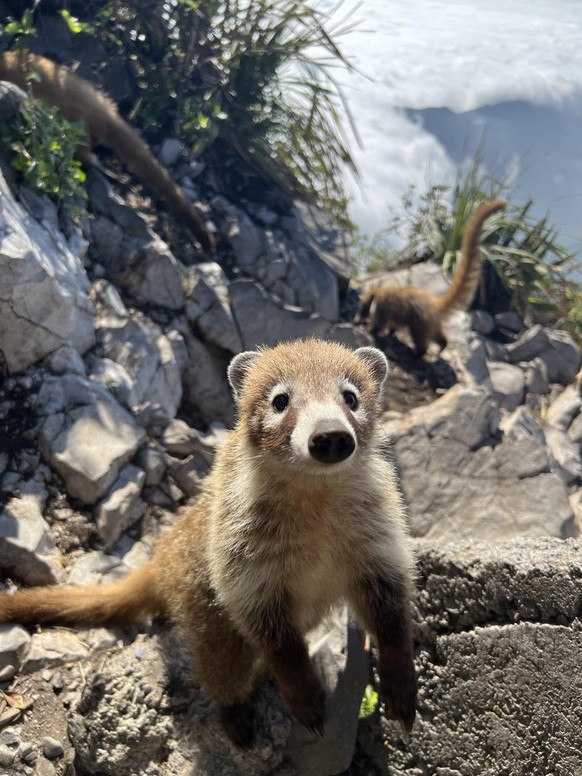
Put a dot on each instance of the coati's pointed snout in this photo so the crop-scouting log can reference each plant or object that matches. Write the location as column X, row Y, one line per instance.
column 328, row 444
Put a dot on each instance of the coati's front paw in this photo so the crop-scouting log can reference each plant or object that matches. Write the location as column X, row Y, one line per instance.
column 308, row 707
column 398, row 691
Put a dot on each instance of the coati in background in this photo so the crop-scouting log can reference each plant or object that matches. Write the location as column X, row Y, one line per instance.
column 78, row 100
column 301, row 511
column 387, row 308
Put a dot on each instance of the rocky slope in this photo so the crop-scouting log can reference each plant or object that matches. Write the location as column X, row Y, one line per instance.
column 113, row 399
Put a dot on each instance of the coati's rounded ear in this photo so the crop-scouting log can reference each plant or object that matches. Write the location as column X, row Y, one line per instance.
column 238, row 368
column 376, row 362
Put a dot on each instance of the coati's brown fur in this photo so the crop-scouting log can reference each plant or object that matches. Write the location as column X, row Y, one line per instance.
column 387, row 308
column 300, row 511
column 78, row 100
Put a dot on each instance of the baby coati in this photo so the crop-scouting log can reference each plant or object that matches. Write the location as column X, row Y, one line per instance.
column 387, row 308
column 79, row 100
column 301, row 511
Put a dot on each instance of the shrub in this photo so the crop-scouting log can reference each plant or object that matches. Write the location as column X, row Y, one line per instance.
column 41, row 146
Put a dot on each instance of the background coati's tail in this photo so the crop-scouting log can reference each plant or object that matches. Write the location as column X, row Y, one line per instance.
column 466, row 279
column 135, row 153
column 118, row 603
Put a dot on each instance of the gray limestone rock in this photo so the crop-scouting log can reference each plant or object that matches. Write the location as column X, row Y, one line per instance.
column 509, row 320
column 171, row 151
column 565, row 407
column 43, row 289
column 482, row 321
column 204, row 381
column 14, row 645
column 138, row 345
column 53, row 647
column 532, row 343
column 86, row 435
column 189, row 473
column 565, row 452
column 122, row 507
column 27, row 549
column 563, row 359
column 65, row 360
column 344, row 668
column 154, row 275
column 457, row 485
column 208, row 306
column 154, row 462
column 536, row 377
column 498, row 660
column 508, row 384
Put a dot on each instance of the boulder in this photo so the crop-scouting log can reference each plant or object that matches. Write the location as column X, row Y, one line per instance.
column 14, row 646
column 536, row 377
column 122, row 507
column 208, row 306
column 482, row 321
column 565, row 407
column 43, row 289
column 498, row 657
column 532, row 343
column 508, row 384
column 205, row 383
column 508, row 320
column 138, row 345
column 86, row 436
column 261, row 320
column 565, row 452
column 458, row 483
column 27, row 548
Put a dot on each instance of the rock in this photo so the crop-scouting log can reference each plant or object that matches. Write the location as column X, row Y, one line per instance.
column 87, row 437
column 509, row 321
column 53, row 648
column 14, row 645
column 262, row 321
column 65, row 360
column 482, row 322
column 565, row 452
column 188, row 740
column 171, row 151
column 292, row 262
column 95, row 567
column 121, row 221
column 564, row 408
column 344, row 668
column 154, row 463
column 153, row 275
column 575, row 430
column 189, row 473
column 466, row 415
column 488, row 680
column 563, row 358
column 180, row 439
column 43, row 289
column 27, row 549
column 495, row 350
column 205, row 384
column 208, row 306
column 122, row 506
column 508, row 383
column 536, row 377
column 142, row 349
column 456, row 485
column 522, row 424
column 532, row 343
column 51, row 748
column 114, row 378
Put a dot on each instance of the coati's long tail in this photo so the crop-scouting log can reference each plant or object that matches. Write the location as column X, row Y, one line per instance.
column 79, row 100
column 115, row 604
column 466, row 278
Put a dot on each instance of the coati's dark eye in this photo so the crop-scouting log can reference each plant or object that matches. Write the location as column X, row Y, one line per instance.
column 351, row 400
column 280, row 402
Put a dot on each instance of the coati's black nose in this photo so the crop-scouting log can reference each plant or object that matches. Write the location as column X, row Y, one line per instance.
column 331, row 446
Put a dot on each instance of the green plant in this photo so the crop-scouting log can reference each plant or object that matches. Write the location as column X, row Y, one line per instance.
column 250, row 84
column 369, row 702
column 525, row 263
column 42, row 145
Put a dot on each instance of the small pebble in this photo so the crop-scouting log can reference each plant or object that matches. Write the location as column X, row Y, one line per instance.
column 52, row 748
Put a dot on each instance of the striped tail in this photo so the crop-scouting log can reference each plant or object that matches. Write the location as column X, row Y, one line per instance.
column 466, row 279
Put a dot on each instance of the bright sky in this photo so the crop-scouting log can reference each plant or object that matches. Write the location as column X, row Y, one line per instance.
column 464, row 55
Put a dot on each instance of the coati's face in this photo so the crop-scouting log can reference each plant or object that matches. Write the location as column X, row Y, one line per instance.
column 309, row 403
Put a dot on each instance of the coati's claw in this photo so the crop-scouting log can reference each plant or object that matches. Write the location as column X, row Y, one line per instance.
column 398, row 693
